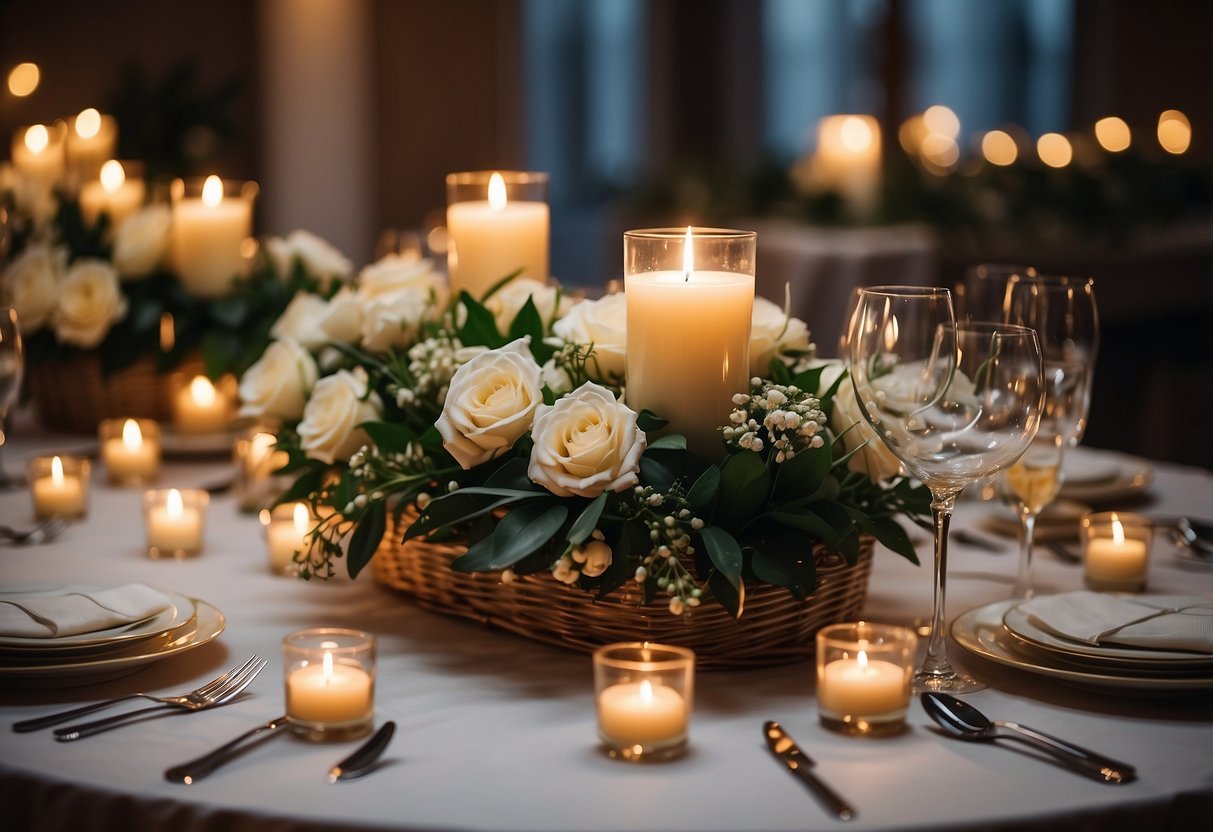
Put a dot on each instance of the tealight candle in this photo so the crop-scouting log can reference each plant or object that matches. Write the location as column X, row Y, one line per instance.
column 863, row 677
column 286, row 530
column 329, row 677
column 497, row 222
column 90, row 141
column 174, row 521
column 114, row 194
column 130, row 449
column 1116, row 550
column 644, row 696
column 690, row 299
column 59, row 486
column 257, row 459
column 199, row 407
column 209, row 232
column 38, row 152
column 847, row 161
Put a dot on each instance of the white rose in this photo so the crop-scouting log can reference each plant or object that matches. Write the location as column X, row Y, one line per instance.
column 555, row 378
column 586, row 443
column 875, row 460
column 279, row 382
column 507, row 302
column 491, row 402
column 338, row 405
column 343, row 321
column 301, row 321
column 395, row 272
column 33, row 196
column 141, row 240
column 31, row 283
column 318, row 257
column 90, row 301
column 772, row 332
column 603, row 323
column 391, row 320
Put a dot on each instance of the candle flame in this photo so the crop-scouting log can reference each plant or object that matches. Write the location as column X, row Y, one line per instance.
column 202, row 391
column 688, row 257
column 212, row 191
column 173, row 505
column 1118, row 531
column 646, row 692
column 328, row 668
column 37, row 138
column 497, row 199
column 301, row 519
column 264, row 516
column 132, row 437
column 88, row 123
column 260, row 447
column 891, row 330
column 57, row 471
column 856, row 134
column 112, row 175
column 862, row 658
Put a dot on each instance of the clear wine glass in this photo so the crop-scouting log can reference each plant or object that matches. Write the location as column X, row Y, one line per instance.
column 955, row 403
column 12, row 367
column 981, row 296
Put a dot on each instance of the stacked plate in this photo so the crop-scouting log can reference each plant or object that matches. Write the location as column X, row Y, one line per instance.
column 1003, row 633
column 87, row 658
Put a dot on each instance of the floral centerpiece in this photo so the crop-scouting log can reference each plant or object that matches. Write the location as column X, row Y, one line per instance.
column 498, row 425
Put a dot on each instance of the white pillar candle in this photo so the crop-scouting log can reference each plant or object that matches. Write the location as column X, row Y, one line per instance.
column 641, row 713
column 1117, row 562
column 208, row 239
column 90, row 142
column 59, row 491
column 862, row 689
column 131, row 456
column 688, row 346
column 199, row 407
column 286, row 531
column 847, row 161
column 489, row 238
column 329, row 693
column 173, row 525
column 112, row 194
column 38, row 152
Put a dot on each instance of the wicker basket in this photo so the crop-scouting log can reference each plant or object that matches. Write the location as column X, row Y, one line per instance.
column 74, row 395
column 775, row 628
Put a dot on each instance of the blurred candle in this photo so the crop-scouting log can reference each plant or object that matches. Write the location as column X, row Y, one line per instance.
column 130, row 450
column 113, row 193
column 199, row 407
column 173, row 520
column 90, row 141
column 847, row 161
column 38, row 152
column 490, row 237
column 286, row 531
column 59, row 486
column 209, row 230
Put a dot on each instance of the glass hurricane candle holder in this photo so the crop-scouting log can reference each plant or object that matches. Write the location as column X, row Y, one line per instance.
column 329, row 678
column 1116, row 550
column 497, row 222
column 174, row 520
column 130, row 450
column 286, row 530
column 644, row 695
column 212, row 219
column 59, row 486
column 863, row 677
column 257, row 457
column 199, row 405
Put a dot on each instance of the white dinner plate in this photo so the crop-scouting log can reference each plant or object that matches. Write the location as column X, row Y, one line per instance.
column 179, row 612
column 208, row 624
column 1109, row 475
column 981, row 631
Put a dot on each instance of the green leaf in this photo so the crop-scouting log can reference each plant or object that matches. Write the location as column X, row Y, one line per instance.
column 630, row 547
column 810, row 522
column 802, row 476
column 671, row 441
column 788, row 563
column 479, row 329
column 703, row 492
column 744, row 483
column 649, row 422
column 456, row 508
column 891, row 534
column 588, row 521
column 732, row 598
column 527, row 322
column 662, row 467
column 307, row 484
column 809, row 380
column 778, row 372
column 231, row 312
column 392, row 437
column 521, row 532
column 724, row 552
column 513, row 475
column 364, row 542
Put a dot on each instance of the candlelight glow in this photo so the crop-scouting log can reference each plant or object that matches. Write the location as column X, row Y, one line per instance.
column 1174, row 131
column 497, row 200
column 264, row 516
column 688, row 256
column 132, row 437
column 1118, row 531
column 911, row 134
column 891, row 331
column 23, row 79
column 999, row 148
column 37, row 138
column 88, row 123
column 939, row 153
column 57, row 471
column 168, row 332
column 328, row 668
column 212, row 191
column 202, row 391
column 856, row 134
column 112, row 175
column 646, row 692
column 862, row 660
column 173, row 505
column 1054, row 150
column 301, row 519
column 940, row 119
column 1113, row 134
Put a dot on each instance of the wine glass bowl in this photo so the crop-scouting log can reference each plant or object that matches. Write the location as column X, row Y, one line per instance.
column 12, row 368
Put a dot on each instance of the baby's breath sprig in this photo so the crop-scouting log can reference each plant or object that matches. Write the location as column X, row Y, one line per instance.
column 782, row 418
column 670, row 523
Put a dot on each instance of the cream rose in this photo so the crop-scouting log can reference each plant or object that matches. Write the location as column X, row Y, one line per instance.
column 343, row 320
column 391, row 320
column 603, row 323
column 491, row 402
column 875, row 460
column 338, row 405
column 90, row 302
column 507, row 302
column 31, row 283
column 318, row 257
column 141, row 240
column 771, row 333
column 395, row 272
column 594, row 557
column 301, row 321
column 586, row 443
column 278, row 384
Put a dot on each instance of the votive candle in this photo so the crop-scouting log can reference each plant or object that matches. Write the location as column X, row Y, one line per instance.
column 286, row 532
column 1116, row 552
column 59, row 486
column 201, row 407
column 644, row 695
column 113, row 193
column 329, row 679
column 863, row 677
column 212, row 220
column 174, row 520
column 38, row 152
column 497, row 222
column 130, row 450
column 90, row 142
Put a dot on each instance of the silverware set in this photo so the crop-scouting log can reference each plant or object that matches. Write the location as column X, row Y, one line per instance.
column 44, row 532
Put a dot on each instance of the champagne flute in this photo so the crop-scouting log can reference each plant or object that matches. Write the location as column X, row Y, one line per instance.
column 955, row 403
column 12, row 365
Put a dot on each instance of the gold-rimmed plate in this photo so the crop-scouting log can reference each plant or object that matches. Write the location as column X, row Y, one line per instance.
column 181, row 611
column 1020, row 625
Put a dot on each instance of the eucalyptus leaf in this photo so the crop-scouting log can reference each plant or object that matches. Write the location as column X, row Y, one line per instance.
column 724, row 552
column 891, row 534
column 522, row 531
column 703, row 492
column 588, row 520
column 368, row 534
column 788, row 564
column 731, row 597
column 649, row 422
column 810, row 522
column 671, row 441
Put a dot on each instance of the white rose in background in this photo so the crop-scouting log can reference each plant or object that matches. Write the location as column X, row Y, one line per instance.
column 90, row 302
column 318, row 256
column 338, row 405
column 507, row 302
column 32, row 196
column 586, row 443
column 141, row 241
column 555, row 377
column 391, row 320
column 302, row 319
column 491, row 402
column 278, row 384
column 875, row 460
column 772, row 332
column 31, row 282
column 603, row 323
column 343, row 320
column 396, row 272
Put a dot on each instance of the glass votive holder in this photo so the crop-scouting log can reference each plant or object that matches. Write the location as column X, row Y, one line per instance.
column 174, row 520
column 497, row 222
column 257, row 458
column 863, row 677
column 1116, row 550
column 644, row 695
column 200, row 406
column 329, row 678
column 130, row 450
column 286, row 532
column 59, row 486
column 212, row 219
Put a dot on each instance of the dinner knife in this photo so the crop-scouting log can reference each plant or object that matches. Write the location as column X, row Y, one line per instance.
column 784, row 749
column 363, row 760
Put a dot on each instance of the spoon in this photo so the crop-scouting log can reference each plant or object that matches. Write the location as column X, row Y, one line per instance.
column 962, row 720
column 1193, row 535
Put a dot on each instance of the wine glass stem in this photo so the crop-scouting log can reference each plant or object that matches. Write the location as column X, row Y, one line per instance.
column 936, row 662
column 1023, row 580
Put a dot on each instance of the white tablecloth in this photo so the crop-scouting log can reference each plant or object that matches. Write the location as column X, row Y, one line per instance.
column 495, row 732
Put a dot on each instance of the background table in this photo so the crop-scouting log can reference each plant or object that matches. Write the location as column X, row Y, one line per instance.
column 495, row 732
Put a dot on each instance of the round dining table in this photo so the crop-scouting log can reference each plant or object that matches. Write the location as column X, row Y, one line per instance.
column 496, row 732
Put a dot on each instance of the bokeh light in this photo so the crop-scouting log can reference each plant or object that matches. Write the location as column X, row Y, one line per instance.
column 1113, row 134
column 1054, row 150
column 23, row 79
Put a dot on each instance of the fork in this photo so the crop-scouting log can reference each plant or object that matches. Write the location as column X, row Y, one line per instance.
column 47, row 530
column 192, row 700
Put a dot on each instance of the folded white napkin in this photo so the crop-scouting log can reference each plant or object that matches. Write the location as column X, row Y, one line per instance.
column 64, row 613
column 1159, row 622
